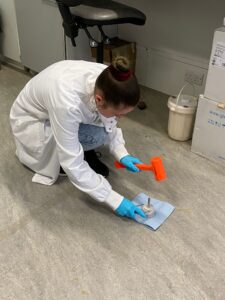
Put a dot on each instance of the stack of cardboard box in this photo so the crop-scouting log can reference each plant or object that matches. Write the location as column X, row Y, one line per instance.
column 209, row 132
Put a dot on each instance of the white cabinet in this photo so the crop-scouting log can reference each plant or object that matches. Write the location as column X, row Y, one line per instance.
column 9, row 42
column 41, row 34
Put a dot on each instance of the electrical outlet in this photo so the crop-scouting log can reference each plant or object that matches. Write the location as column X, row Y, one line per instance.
column 194, row 77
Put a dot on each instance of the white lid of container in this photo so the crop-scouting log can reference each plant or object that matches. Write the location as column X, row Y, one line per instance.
column 186, row 105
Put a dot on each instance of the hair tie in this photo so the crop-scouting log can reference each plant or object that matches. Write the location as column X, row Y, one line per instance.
column 119, row 75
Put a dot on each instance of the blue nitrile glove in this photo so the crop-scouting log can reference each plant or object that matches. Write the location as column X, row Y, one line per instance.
column 128, row 209
column 129, row 162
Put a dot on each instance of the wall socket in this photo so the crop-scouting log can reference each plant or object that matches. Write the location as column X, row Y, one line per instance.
column 194, row 77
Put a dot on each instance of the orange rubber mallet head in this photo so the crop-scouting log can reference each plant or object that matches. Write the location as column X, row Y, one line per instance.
column 156, row 167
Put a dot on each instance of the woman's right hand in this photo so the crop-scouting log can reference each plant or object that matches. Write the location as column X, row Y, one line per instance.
column 128, row 209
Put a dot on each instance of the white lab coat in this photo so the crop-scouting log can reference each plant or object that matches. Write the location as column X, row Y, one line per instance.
column 45, row 120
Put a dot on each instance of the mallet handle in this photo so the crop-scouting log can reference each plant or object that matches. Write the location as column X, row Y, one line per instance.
column 142, row 167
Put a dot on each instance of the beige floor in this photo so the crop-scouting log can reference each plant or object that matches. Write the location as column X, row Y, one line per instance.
column 57, row 244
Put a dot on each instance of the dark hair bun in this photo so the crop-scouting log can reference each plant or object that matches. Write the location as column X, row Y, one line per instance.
column 121, row 63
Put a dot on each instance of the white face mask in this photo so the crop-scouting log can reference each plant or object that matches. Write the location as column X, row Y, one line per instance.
column 110, row 111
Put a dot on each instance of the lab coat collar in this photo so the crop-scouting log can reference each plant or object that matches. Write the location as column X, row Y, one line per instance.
column 109, row 123
column 92, row 104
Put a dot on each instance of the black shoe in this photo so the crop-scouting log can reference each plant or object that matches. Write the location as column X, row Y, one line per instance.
column 62, row 172
column 93, row 161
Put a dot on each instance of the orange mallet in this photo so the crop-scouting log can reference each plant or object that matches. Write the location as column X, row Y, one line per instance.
column 156, row 167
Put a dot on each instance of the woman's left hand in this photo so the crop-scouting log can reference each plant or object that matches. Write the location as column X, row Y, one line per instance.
column 129, row 162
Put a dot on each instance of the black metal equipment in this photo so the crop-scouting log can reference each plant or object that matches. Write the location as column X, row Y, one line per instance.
column 78, row 14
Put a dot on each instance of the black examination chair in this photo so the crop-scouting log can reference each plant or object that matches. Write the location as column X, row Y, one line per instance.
column 78, row 14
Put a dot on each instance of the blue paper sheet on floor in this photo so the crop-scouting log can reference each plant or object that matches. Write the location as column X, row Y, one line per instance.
column 162, row 211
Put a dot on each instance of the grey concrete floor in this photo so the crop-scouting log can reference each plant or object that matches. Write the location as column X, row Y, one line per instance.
column 56, row 243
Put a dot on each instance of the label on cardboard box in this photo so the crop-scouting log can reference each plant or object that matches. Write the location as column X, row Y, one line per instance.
column 218, row 59
column 209, row 131
column 215, row 87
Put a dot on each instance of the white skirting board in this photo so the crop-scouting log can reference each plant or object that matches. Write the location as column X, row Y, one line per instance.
column 164, row 70
column 11, row 63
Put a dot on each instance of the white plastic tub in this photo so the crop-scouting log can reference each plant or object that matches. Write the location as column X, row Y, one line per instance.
column 181, row 116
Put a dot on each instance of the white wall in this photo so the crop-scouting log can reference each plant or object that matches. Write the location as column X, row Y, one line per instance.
column 10, row 38
column 177, row 37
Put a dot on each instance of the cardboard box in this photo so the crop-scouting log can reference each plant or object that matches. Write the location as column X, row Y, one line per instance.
column 215, row 87
column 209, row 131
column 118, row 47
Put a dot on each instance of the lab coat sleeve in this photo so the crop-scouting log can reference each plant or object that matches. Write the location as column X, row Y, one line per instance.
column 117, row 143
column 65, row 120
